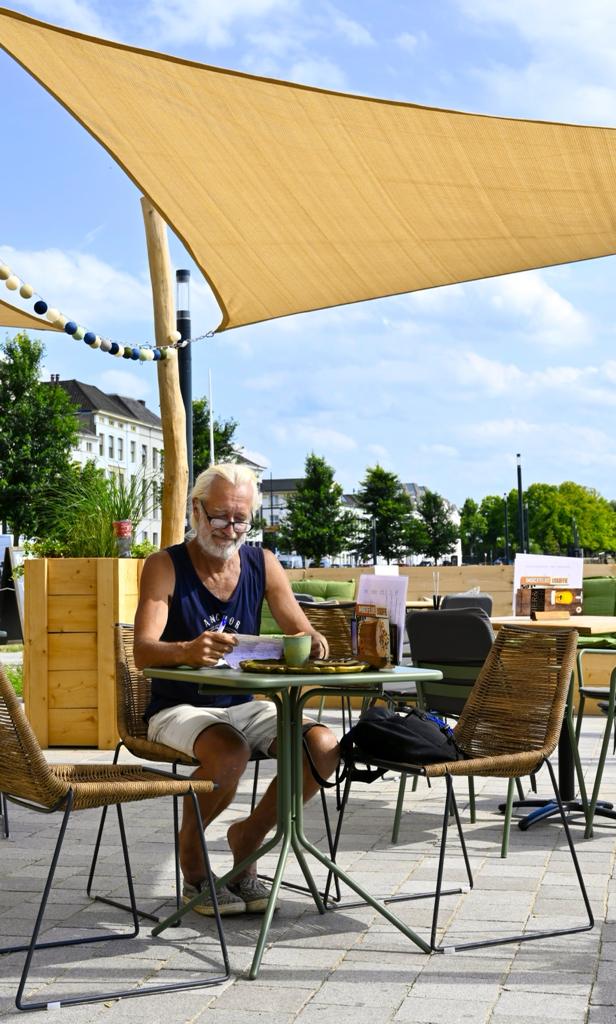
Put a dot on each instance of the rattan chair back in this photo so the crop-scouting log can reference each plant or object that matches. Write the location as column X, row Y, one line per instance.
column 24, row 772
column 334, row 623
column 133, row 692
column 518, row 701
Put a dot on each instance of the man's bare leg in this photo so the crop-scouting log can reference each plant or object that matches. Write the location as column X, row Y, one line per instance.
column 246, row 836
column 223, row 755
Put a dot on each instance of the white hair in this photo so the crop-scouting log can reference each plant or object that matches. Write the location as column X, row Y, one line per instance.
column 234, row 473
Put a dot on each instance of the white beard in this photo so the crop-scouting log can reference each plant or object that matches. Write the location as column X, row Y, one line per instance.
column 219, row 549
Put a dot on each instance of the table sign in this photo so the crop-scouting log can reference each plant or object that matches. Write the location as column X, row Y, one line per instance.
column 391, row 592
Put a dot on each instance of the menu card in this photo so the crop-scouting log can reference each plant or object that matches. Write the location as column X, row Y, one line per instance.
column 391, row 592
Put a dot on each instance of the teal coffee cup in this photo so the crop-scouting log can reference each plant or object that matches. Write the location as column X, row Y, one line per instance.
column 296, row 649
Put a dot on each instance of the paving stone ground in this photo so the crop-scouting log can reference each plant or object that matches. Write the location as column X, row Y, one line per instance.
column 349, row 965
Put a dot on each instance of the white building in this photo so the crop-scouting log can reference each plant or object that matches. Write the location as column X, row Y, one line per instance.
column 122, row 436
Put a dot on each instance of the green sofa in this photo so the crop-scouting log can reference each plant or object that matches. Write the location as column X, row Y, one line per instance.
column 321, row 590
column 599, row 598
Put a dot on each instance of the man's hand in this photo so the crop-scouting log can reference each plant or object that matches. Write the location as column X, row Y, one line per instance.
column 206, row 649
column 319, row 647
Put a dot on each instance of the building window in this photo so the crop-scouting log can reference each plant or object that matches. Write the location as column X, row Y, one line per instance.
column 155, row 539
column 101, row 444
column 88, row 446
column 133, row 450
column 111, row 447
column 154, row 458
column 144, row 454
column 120, row 448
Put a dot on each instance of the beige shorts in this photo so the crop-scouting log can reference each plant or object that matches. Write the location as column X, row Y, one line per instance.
column 179, row 726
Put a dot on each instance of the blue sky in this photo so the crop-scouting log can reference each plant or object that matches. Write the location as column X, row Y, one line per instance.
column 442, row 387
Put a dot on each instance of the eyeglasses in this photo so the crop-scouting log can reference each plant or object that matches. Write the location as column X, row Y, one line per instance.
column 218, row 523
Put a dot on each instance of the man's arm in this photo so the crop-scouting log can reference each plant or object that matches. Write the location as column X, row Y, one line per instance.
column 155, row 592
column 285, row 609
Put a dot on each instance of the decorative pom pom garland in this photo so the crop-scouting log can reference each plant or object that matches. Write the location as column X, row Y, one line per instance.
column 141, row 353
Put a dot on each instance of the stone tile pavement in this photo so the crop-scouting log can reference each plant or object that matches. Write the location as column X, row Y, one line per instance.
column 349, row 965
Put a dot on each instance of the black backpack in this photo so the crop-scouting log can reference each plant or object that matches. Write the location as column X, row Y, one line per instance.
column 414, row 738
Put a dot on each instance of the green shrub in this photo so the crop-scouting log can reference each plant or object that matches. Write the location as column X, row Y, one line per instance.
column 16, row 678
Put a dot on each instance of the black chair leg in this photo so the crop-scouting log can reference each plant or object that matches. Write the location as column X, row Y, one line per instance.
column 255, row 783
column 529, row 936
column 4, row 815
column 34, row 946
column 176, row 850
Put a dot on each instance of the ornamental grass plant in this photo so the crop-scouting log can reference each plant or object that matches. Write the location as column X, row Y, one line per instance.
column 76, row 515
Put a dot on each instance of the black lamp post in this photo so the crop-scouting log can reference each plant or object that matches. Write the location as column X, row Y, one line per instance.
column 521, row 534
column 373, row 532
column 506, row 531
column 182, row 278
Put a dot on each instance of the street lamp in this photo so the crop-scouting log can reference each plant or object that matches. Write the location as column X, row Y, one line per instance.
column 182, row 306
column 521, row 534
column 373, row 532
column 506, row 531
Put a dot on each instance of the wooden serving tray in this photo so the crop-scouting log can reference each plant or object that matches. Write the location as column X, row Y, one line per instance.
column 316, row 667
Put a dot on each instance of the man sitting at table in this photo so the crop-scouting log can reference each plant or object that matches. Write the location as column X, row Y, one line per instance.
column 210, row 578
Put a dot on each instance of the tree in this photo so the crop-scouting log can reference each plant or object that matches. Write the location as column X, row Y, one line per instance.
column 441, row 533
column 224, row 433
column 316, row 524
column 473, row 528
column 39, row 429
column 388, row 506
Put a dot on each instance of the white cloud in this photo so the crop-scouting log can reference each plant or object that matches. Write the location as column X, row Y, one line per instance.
column 352, row 31
column 82, row 287
column 320, row 72
column 498, row 431
column 315, row 437
column 380, row 451
column 407, row 41
column 445, row 450
column 212, row 21
column 73, row 14
column 551, row 320
column 119, row 382
column 569, row 72
column 477, row 373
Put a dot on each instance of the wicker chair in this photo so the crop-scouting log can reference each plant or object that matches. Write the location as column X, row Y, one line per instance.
column 334, row 622
column 28, row 780
column 509, row 727
column 132, row 698
column 133, row 691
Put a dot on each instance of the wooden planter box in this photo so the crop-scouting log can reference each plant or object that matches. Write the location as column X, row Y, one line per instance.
column 71, row 606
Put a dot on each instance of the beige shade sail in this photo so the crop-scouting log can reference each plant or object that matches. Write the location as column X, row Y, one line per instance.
column 11, row 316
column 291, row 198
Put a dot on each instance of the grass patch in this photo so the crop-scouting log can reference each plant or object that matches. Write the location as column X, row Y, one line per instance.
column 11, row 648
column 16, row 678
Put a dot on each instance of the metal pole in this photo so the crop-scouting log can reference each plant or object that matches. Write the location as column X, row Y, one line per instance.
column 211, row 405
column 526, row 531
column 182, row 278
column 374, row 550
column 521, row 535
column 506, row 531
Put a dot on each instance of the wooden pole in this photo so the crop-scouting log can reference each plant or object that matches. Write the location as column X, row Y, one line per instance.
column 175, row 479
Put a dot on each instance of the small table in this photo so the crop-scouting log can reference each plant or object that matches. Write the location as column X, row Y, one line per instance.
column 568, row 755
column 286, row 692
column 586, row 625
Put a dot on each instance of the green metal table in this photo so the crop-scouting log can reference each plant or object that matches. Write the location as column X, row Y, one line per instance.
column 286, row 692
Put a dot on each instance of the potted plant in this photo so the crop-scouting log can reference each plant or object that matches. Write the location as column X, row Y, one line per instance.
column 76, row 589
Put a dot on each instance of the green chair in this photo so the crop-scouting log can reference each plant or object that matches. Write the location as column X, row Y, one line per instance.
column 457, row 641
column 319, row 589
column 599, row 598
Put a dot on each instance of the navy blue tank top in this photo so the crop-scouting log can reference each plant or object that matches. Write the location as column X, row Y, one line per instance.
column 194, row 608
